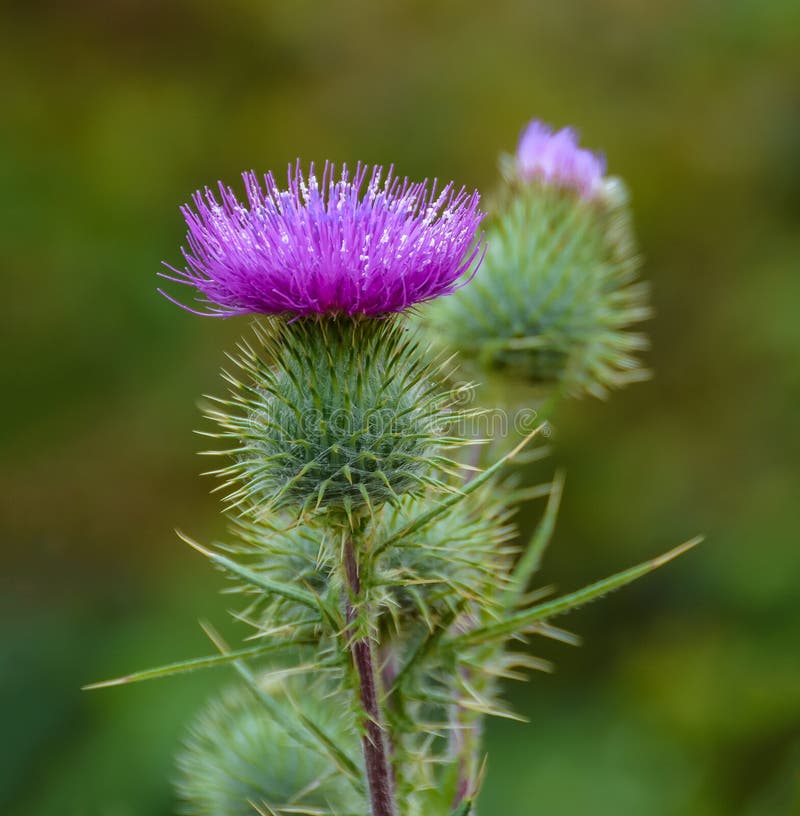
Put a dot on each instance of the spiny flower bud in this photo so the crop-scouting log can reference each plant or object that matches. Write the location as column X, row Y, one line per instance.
column 558, row 289
column 334, row 414
column 238, row 760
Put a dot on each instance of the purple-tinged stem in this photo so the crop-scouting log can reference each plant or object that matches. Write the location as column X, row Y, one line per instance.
column 376, row 761
column 464, row 741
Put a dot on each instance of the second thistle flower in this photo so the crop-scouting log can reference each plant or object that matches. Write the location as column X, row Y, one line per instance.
column 558, row 292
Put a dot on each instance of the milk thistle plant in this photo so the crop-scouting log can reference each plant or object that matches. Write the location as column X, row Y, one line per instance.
column 382, row 574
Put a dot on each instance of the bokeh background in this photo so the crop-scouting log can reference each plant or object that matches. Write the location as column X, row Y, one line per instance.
column 685, row 698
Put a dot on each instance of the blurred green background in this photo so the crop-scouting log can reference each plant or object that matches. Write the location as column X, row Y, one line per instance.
column 686, row 697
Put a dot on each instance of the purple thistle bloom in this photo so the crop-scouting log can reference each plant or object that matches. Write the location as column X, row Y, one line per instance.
column 324, row 246
column 555, row 158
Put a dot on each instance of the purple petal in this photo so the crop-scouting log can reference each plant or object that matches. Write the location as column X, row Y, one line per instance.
column 364, row 244
column 555, row 158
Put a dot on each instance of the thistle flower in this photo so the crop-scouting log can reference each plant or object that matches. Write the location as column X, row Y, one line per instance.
column 344, row 412
column 556, row 159
column 558, row 290
column 365, row 244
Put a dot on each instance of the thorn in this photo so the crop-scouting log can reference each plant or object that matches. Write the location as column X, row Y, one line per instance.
column 660, row 560
column 214, row 636
column 118, row 681
column 194, row 545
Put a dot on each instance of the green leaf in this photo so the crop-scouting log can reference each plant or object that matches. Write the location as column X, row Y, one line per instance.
column 463, row 809
column 520, row 621
column 285, row 590
column 193, row 665
column 531, row 558
column 443, row 506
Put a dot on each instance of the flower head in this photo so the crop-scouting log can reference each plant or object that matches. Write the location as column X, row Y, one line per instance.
column 328, row 245
column 561, row 276
column 555, row 158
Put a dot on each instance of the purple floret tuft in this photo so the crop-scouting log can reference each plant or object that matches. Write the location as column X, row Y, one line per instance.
column 555, row 158
column 327, row 246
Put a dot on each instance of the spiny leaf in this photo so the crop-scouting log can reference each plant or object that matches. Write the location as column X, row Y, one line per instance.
column 520, row 621
column 285, row 590
column 193, row 665
column 531, row 558
column 556, row 633
column 310, row 738
column 448, row 502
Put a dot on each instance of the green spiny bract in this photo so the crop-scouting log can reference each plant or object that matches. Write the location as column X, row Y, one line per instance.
column 459, row 560
column 238, row 760
column 334, row 414
column 556, row 295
